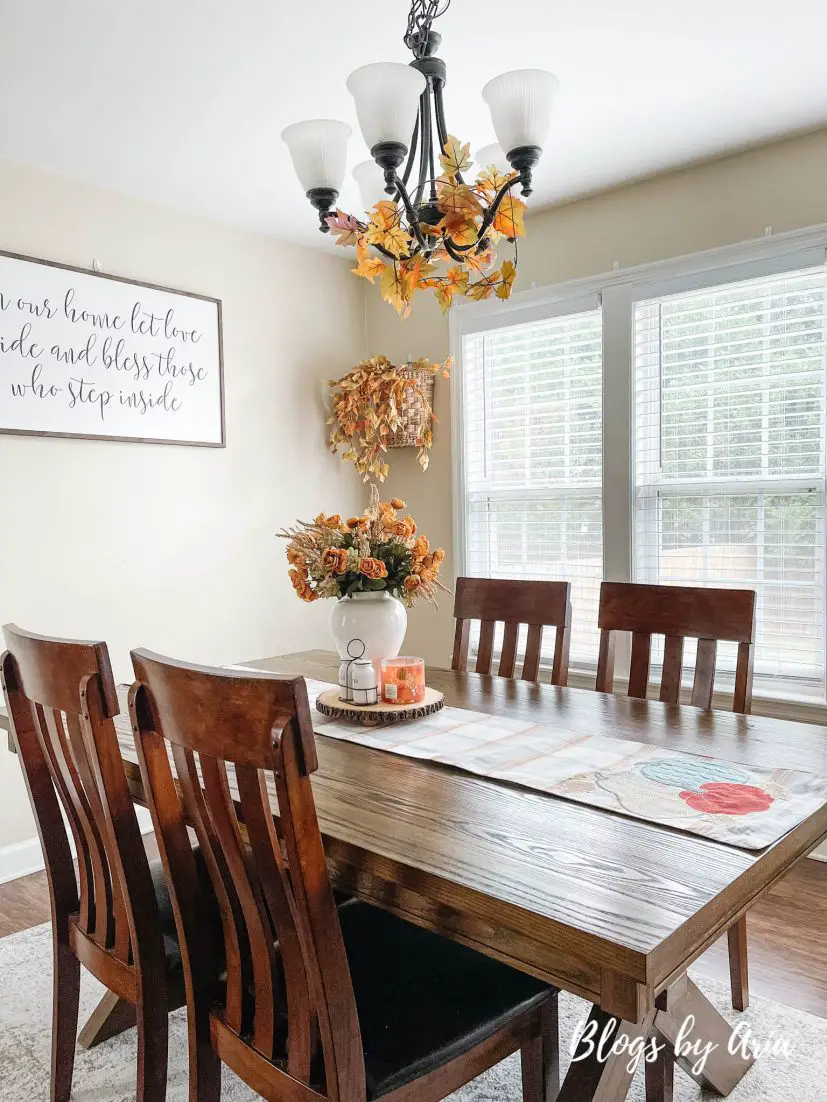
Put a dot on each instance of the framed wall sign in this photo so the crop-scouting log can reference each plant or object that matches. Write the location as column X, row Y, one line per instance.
column 95, row 356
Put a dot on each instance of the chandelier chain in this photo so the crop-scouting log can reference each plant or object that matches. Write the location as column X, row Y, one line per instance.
column 420, row 18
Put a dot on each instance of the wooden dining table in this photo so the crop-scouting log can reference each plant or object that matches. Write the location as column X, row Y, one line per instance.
column 607, row 907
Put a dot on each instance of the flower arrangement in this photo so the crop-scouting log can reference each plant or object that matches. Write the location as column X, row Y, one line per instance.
column 376, row 551
column 367, row 409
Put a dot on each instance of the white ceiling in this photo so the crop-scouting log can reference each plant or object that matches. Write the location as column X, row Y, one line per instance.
column 182, row 101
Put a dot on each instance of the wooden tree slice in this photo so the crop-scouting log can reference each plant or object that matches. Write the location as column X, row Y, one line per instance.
column 375, row 715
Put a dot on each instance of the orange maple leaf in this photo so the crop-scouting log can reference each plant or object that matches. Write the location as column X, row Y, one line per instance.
column 509, row 217
column 368, row 267
column 397, row 288
column 509, row 271
column 479, row 261
column 491, row 181
column 455, row 158
column 386, row 229
column 461, row 229
column 484, row 288
column 457, row 200
column 455, row 282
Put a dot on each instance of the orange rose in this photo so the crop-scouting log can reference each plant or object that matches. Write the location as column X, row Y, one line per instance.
column 302, row 587
column 404, row 529
column 295, row 557
column 328, row 522
column 439, row 555
column 397, row 503
column 412, row 583
column 352, row 522
column 421, row 548
column 334, row 559
column 373, row 568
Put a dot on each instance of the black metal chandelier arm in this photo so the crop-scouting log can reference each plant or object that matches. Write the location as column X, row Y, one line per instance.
column 390, row 256
column 426, row 143
column 413, row 221
column 454, row 250
column 441, row 127
column 412, row 154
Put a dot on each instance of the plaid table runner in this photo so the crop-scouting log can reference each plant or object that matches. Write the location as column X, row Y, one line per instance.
column 740, row 805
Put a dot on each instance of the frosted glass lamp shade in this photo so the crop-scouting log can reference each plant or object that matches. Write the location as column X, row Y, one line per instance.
column 520, row 104
column 371, row 180
column 492, row 155
column 319, row 151
column 387, row 100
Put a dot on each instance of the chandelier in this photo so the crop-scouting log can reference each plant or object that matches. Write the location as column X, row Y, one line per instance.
column 427, row 223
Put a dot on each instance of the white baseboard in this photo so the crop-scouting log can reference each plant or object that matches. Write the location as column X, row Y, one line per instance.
column 24, row 858
column 20, row 859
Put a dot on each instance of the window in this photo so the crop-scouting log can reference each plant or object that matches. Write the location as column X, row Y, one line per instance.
column 710, row 469
column 533, row 459
column 730, row 456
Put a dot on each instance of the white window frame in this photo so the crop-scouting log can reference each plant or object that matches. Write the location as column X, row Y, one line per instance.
column 618, row 291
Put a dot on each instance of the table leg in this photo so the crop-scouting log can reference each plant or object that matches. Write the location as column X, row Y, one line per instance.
column 590, row 1079
column 689, row 1018
column 691, row 1033
column 660, row 1073
column 110, row 1017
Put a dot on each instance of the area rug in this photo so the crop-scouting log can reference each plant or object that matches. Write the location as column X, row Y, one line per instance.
column 107, row 1073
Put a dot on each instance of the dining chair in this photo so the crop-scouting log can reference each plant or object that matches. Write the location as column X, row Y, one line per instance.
column 678, row 613
column 61, row 698
column 318, row 1002
column 514, row 603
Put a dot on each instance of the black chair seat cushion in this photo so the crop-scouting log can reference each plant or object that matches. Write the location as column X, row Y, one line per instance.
column 423, row 1000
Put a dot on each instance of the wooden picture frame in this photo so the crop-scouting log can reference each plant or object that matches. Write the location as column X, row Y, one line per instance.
column 212, row 398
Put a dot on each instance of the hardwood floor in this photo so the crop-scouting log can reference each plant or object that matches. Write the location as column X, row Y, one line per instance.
column 787, row 947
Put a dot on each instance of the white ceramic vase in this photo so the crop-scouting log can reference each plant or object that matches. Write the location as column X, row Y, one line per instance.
column 378, row 619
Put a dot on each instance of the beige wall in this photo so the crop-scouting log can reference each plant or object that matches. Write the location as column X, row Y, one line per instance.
column 719, row 203
column 173, row 547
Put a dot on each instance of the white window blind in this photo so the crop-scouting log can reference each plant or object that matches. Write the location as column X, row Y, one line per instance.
column 532, row 459
column 730, row 458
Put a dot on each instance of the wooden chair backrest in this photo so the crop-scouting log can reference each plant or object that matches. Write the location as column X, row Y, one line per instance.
column 61, row 698
column 242, row 744
column 513, row 603
column 677, row 613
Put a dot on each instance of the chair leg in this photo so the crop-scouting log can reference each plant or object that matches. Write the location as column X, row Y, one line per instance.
column 204, row 1073
column 540, row 1058
column 65, row 1007
column 738, row 965
column 153, row 1043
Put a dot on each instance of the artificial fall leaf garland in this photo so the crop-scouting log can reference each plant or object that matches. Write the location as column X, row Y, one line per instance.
column 367, row 410
column 464, row 208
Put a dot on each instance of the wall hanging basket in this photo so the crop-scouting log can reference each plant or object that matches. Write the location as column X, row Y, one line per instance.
column 378, row 406
column 415, row 410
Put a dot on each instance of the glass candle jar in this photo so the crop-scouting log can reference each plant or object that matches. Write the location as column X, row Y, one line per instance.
column 403, row 680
